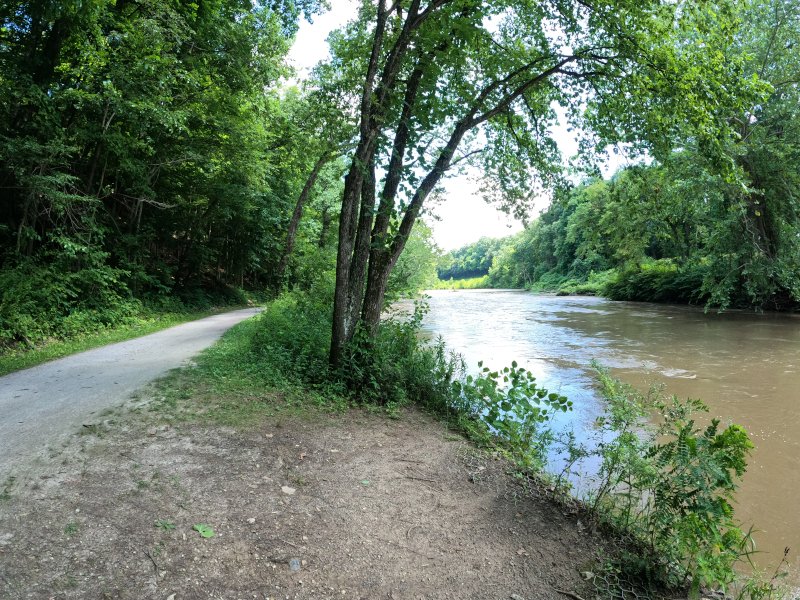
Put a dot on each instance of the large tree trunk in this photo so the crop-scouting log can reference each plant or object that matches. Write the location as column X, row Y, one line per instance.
column 341, row 332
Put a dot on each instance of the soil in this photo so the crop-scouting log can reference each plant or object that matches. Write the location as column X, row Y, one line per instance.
column 354, row 505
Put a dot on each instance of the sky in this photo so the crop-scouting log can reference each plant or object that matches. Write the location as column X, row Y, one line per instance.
column 463, row 216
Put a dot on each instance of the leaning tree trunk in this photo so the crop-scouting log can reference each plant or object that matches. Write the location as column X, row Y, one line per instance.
column 294, row 223
column 342, row 330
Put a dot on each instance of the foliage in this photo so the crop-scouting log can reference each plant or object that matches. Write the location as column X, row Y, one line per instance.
column 469, row 262
column 514, row 407
column 204, row 530
column 475, row 283
column 145, row 153
column 164, row 524
column 443, row 83
column 671, row 486
column 686, row 228
column 658, row 281
column 416, row 267
column 393, row 368
column 40, row 303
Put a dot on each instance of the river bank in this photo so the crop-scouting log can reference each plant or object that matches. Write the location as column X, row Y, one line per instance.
column 257, row 432
column 743, row 365
column 369, row 506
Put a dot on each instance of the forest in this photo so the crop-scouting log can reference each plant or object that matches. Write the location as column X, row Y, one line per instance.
column 159, row 155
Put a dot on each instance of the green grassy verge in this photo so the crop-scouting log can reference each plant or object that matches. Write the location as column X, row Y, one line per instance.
column 474, row 283
column 22, row 358
column 232, row 385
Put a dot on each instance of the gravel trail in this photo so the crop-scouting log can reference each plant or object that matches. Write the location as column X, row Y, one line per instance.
column 42, row 405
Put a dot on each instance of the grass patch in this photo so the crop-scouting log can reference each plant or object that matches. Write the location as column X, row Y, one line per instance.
column 20, row 358
column 473, row 283
column 232, row 385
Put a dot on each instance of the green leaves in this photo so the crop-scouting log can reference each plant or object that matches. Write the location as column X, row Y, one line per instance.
column 164, row 524
column 672, row 486
column 514, row 407
column 204, row 530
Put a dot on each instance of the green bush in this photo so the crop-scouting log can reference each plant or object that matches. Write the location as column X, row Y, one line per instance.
column 512, row 406
column 394, row 367
column 671, row 486
column 658, row 281
column 294, row 337
column 38, row 302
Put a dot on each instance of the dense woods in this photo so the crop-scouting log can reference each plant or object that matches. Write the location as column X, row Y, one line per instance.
column 147, row 153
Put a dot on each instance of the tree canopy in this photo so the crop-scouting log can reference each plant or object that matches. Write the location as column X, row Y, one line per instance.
column 451, row 81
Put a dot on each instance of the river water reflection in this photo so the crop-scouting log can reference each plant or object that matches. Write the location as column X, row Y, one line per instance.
column 745, row 366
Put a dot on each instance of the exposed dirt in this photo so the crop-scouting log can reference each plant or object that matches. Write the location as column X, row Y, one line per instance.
column 370, row 507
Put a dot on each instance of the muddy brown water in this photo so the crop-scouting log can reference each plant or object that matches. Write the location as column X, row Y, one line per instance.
column 744, row 366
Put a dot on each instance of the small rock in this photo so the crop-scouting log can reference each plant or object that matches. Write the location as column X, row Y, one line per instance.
column 251, row 520
column 587, row 575
column 294, row 564
column 516, row 597
column 171, row 597
column 5, row 538
column 288, row 490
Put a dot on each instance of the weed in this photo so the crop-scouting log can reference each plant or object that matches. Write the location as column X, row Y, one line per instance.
column 5, row 494
column 204, row 530
column 297, row 479
column 71, row 528
column 164, row 524
column 669, row 488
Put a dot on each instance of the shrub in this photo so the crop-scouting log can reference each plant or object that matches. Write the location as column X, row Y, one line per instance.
column 671, row 486
column 293, row 339
column 658, row 281
column 41, row 301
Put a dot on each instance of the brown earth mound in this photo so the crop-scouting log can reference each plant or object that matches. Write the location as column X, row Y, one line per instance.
column 347, row 506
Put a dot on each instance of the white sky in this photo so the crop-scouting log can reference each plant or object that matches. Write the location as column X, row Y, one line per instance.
column 463, row 216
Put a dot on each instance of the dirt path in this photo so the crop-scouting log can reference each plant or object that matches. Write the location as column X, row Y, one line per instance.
column 353, row 506
column 40, row 406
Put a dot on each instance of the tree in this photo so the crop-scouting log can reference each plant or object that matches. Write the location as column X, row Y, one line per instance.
column 454, row 80
column 320, row 132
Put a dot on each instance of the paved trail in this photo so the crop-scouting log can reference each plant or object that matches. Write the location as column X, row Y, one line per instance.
column 43, row 405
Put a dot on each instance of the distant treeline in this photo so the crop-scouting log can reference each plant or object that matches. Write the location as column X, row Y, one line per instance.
column 671, row 232
column 472, row 260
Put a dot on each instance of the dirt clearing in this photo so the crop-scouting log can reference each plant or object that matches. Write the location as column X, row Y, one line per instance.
column 354, row 505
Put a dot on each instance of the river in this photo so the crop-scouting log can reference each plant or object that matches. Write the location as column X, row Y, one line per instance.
column 744, row 366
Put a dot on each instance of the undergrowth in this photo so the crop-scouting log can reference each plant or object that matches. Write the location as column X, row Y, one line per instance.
column 669, row 488
column 49, row 310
